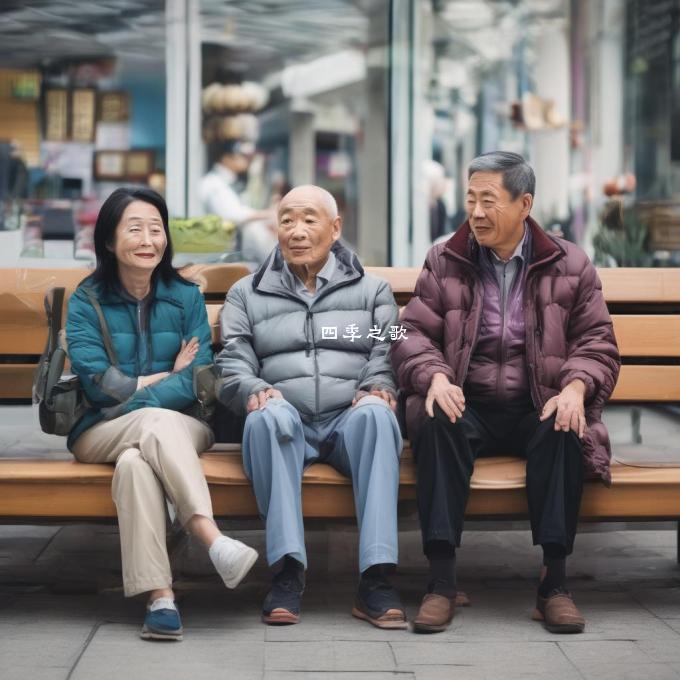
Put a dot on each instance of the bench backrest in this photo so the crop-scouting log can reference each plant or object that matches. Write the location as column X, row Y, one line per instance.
column 645, row 307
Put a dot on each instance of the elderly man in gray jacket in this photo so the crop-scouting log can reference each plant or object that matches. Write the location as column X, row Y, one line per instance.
column 306, row 343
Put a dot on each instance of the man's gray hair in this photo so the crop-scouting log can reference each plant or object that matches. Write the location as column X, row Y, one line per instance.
column 518, row 176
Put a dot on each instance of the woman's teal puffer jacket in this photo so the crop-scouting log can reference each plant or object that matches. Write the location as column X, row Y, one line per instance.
column 176, row 312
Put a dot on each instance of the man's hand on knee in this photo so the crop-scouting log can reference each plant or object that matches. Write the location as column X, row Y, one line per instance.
column 568, row 409
column 259, row 400
column 385, row 395
column 449, row 397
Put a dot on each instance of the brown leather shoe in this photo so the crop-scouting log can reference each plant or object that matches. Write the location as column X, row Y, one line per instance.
column 559, row 613
column 435, row 614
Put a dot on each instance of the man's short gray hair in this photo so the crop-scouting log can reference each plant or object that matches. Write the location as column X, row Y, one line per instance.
column 518, row 176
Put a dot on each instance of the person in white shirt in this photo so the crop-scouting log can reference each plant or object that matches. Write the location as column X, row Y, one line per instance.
column 219, row 197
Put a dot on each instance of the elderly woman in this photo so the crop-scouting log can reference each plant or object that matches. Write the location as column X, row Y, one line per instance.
column 138, row 417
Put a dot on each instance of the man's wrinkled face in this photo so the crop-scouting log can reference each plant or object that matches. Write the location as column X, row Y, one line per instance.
column 496, row 219
column 306, row 229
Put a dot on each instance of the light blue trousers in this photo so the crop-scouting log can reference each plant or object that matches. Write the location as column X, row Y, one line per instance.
column 363, row 443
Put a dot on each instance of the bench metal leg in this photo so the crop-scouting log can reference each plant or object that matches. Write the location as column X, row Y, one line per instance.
column 677, row 543
column 635, row 419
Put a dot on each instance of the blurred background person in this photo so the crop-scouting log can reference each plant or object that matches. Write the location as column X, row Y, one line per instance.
column 219, row 193
column 435, row 176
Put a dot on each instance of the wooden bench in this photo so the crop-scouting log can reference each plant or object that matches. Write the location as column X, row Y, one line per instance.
column 645, row 307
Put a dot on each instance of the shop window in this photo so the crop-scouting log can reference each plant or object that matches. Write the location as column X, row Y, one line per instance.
column 82, row 111
column 295, row 93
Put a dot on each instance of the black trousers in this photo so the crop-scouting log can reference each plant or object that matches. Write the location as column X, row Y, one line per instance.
column 445, row 453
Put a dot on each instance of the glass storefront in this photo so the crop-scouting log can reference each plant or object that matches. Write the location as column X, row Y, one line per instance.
column 384, row 103
column 587, row 91
column 305, row 87
column 82, row 111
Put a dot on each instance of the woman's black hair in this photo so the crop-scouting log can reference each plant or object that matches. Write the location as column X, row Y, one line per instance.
column 110, row 214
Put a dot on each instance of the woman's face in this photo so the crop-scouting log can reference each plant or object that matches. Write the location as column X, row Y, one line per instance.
column 139, row 240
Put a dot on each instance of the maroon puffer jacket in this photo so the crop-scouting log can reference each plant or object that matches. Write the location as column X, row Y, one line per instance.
column 569, row 332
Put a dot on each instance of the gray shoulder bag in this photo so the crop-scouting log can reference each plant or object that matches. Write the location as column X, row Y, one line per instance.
column 61, row 399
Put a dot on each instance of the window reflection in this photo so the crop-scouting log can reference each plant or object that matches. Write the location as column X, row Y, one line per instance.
column 584, row 90
column 305, row 85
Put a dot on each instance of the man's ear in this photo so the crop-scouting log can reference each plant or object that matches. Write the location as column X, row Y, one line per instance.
column 527, row 204
column 337, row 228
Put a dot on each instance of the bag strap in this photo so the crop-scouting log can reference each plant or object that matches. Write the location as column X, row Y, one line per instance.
column 53, row 309
column 106, row 337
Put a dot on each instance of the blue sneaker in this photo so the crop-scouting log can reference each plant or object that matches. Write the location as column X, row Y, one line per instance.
column 162, row 621
column 282, row 605
column 378, row 603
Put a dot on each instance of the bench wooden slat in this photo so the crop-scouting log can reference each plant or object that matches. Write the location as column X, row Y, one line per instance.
column 23, row 339
column 658, row 285
column 637, row 334
column 636, row 383
column 641, row 335
column 401, row 279
column 627, row 285
column 215, row 279
column 16, row 380
column 648, row 383
column 214, row 321
column 66, row 488
column 30, row 279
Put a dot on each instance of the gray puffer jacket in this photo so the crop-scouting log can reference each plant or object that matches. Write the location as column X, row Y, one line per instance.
column 272, row 338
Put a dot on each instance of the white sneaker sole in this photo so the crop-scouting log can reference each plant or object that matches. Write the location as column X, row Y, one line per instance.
column 246, row 562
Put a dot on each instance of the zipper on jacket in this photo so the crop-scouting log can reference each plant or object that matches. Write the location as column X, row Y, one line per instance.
column 134, row 318
column 502, row 336
column 478, row 316
column 532, row 332
column 147, row 336
column 142, row 369
column 149, row 346
column 308, row 344
column 312, row 347
column 309, row 330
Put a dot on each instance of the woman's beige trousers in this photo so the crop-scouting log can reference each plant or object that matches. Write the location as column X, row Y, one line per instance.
column 155, row 452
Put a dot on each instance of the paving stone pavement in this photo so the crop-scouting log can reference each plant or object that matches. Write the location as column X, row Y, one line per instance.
column 63, row 615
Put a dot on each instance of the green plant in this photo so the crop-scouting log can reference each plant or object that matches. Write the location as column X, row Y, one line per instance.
column 626, row 245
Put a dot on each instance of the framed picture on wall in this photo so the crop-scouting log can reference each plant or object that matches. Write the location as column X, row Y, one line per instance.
column 109, row 165
column 56, row 115
column 83, row 111
column 114, row 107
column 139, row 164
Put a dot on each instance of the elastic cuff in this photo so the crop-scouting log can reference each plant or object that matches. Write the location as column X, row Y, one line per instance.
column 583, row 377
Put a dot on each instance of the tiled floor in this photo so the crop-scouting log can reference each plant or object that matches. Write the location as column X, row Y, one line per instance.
column 63, row 615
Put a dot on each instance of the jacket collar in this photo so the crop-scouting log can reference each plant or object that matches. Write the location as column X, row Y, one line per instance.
column 463, row 246
column 268, row 278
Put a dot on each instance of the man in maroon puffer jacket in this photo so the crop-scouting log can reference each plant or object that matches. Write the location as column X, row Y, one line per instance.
column 509, row 348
